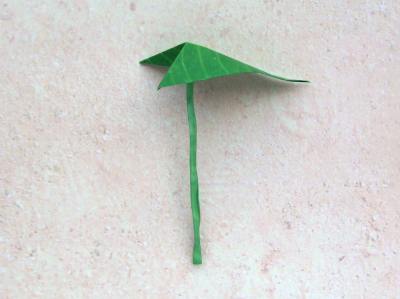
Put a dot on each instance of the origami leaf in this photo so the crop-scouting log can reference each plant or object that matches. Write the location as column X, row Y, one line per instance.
column 189, row 63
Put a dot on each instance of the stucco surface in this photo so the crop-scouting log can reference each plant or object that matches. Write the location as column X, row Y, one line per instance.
column 299, row 185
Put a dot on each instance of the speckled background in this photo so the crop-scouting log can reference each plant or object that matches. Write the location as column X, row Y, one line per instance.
column 299, row 185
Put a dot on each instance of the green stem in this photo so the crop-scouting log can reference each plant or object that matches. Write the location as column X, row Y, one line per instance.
column 194, row 184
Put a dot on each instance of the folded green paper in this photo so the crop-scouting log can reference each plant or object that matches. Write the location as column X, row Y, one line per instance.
column 188, row 63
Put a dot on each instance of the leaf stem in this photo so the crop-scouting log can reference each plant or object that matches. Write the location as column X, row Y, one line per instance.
column 194, row 184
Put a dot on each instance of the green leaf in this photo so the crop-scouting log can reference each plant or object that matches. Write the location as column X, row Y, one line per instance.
column 189, row 63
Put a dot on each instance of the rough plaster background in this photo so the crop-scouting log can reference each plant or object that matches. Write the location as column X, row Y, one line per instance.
column 299, row 185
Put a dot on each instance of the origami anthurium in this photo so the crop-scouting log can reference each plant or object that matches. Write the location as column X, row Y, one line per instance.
column 188, row 63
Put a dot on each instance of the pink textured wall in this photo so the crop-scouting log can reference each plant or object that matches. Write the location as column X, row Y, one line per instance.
column 299, row 185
